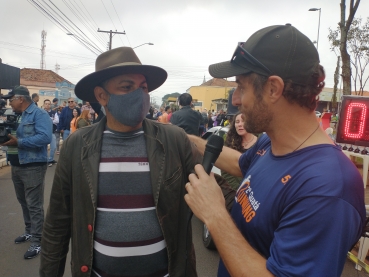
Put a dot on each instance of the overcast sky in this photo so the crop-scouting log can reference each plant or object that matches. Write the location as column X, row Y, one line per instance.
column 187, row 35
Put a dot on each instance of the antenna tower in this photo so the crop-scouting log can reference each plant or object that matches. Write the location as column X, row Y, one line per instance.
column 43, row 46
column 57, row 67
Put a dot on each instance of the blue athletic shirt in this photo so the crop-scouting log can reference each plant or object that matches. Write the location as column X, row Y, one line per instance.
column 302, row 211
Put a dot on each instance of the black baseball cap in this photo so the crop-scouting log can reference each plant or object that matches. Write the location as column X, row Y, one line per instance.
column 55, row 100
column 17, row 90
column 280, row 50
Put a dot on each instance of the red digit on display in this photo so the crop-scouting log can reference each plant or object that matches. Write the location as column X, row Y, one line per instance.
column 351, row 120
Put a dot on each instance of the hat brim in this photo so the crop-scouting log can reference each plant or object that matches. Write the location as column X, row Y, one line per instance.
column 7, row 96
column 155, row 77
column 227, row 69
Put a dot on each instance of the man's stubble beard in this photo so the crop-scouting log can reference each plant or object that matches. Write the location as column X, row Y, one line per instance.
column 258, row 118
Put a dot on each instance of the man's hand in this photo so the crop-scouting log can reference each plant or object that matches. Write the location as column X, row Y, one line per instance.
column 205, row 198
column 61, row 131
column 12, row 142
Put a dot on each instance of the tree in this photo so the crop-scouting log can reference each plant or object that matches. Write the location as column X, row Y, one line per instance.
column 344, row 28
column 336, row 81
column 358, row 46
column 166, row 96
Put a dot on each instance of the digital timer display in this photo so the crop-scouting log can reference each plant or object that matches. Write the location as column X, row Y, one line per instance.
column 353, row 124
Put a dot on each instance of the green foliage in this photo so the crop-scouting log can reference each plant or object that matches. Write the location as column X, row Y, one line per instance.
column 166, row 96
column 358, row 48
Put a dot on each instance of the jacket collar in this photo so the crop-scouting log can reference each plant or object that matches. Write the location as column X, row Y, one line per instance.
column 90, row 136
column 31, row 108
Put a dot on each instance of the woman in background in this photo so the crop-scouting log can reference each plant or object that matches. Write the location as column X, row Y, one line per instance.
column 84, row 119
column 73, row 123
column 210, row 120
column 239, row 139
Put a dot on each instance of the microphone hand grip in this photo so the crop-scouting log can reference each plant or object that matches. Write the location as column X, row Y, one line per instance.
column 212, row 151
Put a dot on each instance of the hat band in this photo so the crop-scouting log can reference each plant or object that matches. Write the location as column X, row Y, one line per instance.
column 121, row 64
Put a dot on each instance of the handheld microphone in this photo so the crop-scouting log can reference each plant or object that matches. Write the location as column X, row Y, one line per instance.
column 212, row 151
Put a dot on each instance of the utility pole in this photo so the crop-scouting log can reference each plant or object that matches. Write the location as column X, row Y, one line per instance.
column 43, row 45
column 111, row 35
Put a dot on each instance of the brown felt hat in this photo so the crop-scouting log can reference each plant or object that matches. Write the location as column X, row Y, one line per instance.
column 118, row 61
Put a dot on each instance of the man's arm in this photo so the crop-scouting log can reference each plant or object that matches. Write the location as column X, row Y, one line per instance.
column 228, row 158
column 206, row 200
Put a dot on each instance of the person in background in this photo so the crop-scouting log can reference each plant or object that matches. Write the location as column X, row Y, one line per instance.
column 238, row 139
column 27, row 155
column 84, row 119
column 160, row 113
column 221, row 117
column 54, row 105
column 55, row 120
column 164, row 117
column 87, row 106
column 66, row 117
column 57, row 132
column 210, row 120
column 170, row 112
column 73, row 122
column 150, row 114
column 35, row 98
column 186, row 117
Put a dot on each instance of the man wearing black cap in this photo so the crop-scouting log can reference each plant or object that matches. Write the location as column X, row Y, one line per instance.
column 54, row 105
column 28, row 157
column 118, row 190
column 300, row 206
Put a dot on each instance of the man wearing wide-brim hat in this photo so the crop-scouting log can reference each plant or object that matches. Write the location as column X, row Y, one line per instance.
column 119, row 186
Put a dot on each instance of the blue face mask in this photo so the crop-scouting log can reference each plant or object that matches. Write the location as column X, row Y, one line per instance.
column 129, row 109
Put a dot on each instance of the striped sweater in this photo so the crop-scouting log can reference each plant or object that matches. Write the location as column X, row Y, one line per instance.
column 128, row 240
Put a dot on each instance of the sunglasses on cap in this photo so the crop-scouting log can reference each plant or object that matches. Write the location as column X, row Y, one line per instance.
column 241, row 55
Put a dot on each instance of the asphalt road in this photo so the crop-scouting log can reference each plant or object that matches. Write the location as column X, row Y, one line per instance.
column 12, row 263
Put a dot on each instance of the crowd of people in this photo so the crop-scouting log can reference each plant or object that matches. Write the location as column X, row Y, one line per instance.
column 126, row 186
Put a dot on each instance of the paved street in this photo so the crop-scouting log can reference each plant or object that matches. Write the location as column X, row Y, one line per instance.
column 12, row 263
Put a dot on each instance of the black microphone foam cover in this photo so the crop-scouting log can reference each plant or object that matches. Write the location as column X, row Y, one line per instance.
column 212, row 151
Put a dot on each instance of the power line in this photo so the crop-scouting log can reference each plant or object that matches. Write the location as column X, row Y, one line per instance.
column 76, row 13
column 120, row 22
column 96, row 26
column 111, row 22
column 81, row 32
column 56, row 21
column 92, row 28
column 38, row 49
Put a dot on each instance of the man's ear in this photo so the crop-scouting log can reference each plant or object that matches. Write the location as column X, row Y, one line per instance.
column 101, row 96
column 275, row 88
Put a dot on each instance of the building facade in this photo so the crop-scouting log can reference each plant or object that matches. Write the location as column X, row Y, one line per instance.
column 212, row 94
